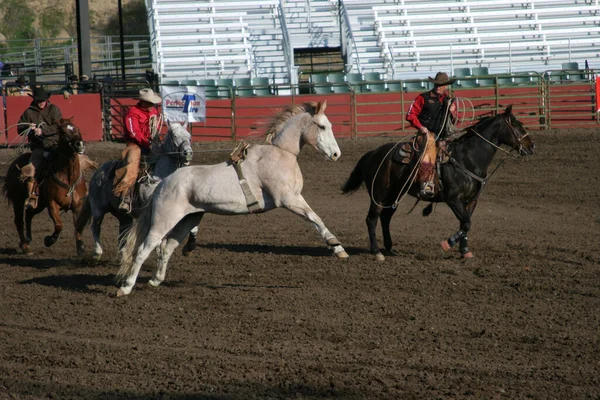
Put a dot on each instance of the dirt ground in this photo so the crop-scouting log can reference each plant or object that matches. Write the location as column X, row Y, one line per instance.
column 262, row 310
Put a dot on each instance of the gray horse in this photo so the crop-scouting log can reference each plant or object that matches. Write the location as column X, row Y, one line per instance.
column 271, row 178
column 174, row 151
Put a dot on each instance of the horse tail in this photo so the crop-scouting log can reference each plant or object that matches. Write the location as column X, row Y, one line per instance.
column 5, row 191
column 356, row 177
column 132, row 240
column 11, row 186
column 85, row 215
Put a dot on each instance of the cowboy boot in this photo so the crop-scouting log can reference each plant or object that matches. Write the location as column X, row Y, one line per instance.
column 427, row 190
column 125, row 205
column 425, row 176
column 32, row 200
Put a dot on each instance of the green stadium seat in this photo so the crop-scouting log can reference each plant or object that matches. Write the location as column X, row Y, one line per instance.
column 320, row 84
column 210, row 90
column 225, row 87
column 414, row 86
column 376, row 85
column 338, row 82
column 261, row 86
column 570, row 65
column 394, row 87
column 355, row 80
column 243, row 87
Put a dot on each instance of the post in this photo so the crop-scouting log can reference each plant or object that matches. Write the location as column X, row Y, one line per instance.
column 84, row 53
column 121, row 40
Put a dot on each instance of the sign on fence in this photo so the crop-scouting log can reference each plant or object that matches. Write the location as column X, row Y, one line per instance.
column 184, row 103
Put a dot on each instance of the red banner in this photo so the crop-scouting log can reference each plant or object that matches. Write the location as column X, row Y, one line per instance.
column 84, row 108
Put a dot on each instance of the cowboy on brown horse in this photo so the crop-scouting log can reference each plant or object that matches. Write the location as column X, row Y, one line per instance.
column 41, row 120
column 428, row 114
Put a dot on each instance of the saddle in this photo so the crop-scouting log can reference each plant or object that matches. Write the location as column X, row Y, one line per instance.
column 411, row 150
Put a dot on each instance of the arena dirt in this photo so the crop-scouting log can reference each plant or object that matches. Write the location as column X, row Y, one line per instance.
column 262, row 310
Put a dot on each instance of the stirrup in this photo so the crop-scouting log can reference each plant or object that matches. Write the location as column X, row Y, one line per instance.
column 32, row 202
column 427, row 190
column 125, row 205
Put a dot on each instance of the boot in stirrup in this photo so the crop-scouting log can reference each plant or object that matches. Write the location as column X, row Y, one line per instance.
column 32, row 200
column 427, row 190
column 125, row 205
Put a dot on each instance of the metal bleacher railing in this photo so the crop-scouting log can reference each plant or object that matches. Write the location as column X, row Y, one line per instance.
column 46, row 59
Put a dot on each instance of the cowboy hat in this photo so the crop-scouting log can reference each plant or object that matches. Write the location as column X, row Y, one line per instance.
column 22, row 79
column 149, row 96
column 73, row 77
column 40, row 94
column 441, row 79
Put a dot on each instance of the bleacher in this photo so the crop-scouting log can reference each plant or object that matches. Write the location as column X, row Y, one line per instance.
column 391, row 39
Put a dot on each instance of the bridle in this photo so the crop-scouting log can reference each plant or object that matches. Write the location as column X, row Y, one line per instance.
column 177, row 155
column 519, row 139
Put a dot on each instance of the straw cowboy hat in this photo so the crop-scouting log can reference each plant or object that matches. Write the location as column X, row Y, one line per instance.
column 441, row 79
column 149, row 96
column 40, row 94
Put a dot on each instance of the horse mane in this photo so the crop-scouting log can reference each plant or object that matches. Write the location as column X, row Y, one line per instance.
column 275, row 124
column 477, row 126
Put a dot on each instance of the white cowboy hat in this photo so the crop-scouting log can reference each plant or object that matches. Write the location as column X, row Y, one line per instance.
column 149, row 96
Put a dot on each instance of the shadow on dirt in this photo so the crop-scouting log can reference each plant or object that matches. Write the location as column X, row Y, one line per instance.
column 74, row 282
column 38, row 263
column 317, row 251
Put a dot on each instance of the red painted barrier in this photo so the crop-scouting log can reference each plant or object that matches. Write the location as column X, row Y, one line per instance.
column 598, row 94
column 351, row 115
column 84, row 108
column 2, row 122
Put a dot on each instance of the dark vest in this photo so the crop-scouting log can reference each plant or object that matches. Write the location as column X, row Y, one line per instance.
column 433, row 113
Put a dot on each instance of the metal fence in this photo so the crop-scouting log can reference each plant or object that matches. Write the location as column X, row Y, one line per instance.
column 539, row 102
column 53, row 59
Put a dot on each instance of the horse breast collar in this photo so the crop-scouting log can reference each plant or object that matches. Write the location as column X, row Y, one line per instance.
column 236, row 158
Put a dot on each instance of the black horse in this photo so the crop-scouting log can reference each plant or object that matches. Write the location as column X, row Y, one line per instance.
column 462, row 178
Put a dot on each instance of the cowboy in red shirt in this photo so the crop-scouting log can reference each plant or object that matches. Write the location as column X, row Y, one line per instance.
column 427, row 114
column 141, row 122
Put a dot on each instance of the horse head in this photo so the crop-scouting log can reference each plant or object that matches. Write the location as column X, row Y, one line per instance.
column 515, row 135
column 178, row 144
column 319, row 133
column 70, row 136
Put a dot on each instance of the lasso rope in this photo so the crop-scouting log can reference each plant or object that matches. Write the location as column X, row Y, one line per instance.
column 413, row 174
column 21, row 147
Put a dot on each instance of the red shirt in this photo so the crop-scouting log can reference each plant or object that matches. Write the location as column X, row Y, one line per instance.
column 137, row 125
column 416, row 108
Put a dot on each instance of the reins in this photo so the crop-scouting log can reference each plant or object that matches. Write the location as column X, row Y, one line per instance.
column 485, row 180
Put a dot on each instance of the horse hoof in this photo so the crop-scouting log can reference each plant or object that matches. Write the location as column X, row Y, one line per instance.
column 49, row 241
column 342, row 255
column 26, row 250
column 97, row 257
column 81, row 251
column 154, row 282
column 468, row 254
column 379, row 257
column 121, row 292
column 445, row 246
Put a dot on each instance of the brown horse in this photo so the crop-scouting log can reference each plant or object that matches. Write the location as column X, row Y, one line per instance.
column 61, row 187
